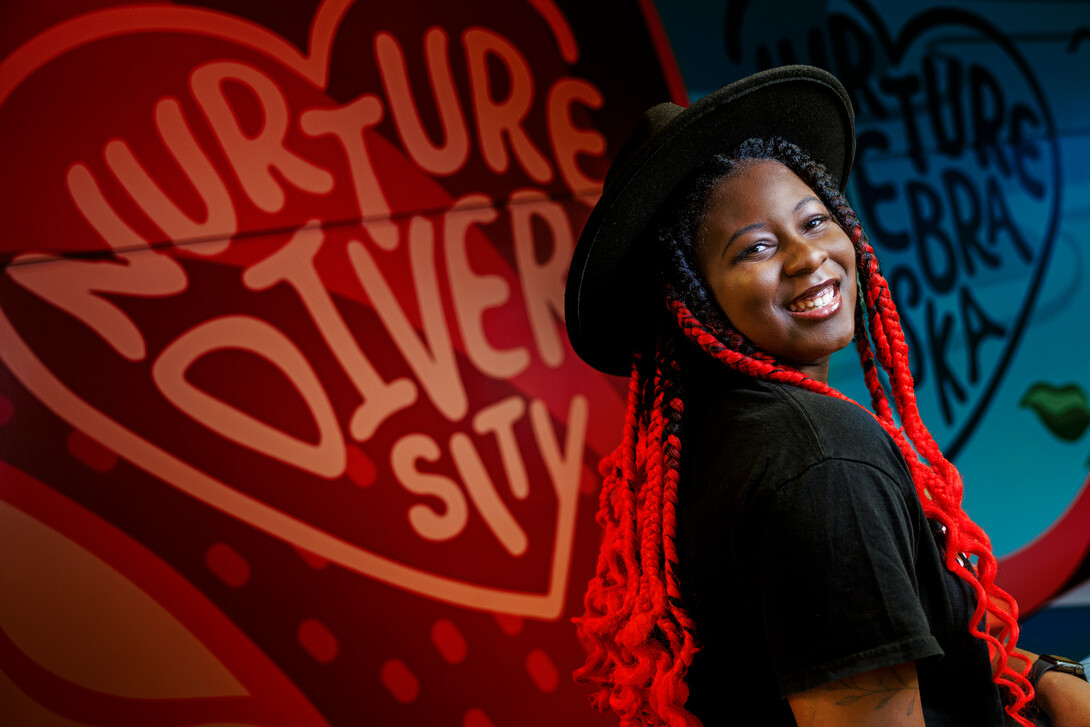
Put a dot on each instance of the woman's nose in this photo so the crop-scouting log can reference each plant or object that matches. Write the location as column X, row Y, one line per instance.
column 804, row 256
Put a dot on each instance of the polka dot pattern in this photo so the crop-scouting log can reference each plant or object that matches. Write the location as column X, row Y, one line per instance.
column 510, row 625
column 542, row 671
column 90, row 452
column 476, row 717
column 361, row 470
column 399, row 681
column 228, row 565
column 318, row 641
column 314, row 560
column 448, row 641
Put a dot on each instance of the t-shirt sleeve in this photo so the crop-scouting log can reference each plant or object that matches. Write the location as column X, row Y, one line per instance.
column 835, row 566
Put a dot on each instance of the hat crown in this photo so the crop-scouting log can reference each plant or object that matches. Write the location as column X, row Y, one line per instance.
column 653, row 120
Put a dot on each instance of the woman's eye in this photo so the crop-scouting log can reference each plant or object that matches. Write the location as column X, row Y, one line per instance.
column 754, row 249
column 816, row 221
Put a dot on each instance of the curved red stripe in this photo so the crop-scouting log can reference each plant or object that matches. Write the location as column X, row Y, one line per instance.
column 558, row 24
column 670, row 70
column 91, row 707
column 1035, row 572
column 275, row 699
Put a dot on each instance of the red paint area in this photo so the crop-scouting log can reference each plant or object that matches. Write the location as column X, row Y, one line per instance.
column 400, row 681
column 90, row 452
column 228, row 565
column 448, row 641
column 187, row 354
column 318, row 641
column 1042, row 569
column 542, row 671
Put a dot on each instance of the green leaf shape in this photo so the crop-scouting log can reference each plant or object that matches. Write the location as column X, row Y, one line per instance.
column 1063, row 409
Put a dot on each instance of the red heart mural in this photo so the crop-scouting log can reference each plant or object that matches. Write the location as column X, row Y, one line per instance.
column 304, row 281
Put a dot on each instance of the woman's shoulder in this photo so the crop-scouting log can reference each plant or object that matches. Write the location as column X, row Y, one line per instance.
column 837, row 425
column 727, row 392
column 772, row 421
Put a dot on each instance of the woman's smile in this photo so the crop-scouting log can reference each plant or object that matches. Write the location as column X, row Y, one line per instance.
column 779, row 265
column 818, row 302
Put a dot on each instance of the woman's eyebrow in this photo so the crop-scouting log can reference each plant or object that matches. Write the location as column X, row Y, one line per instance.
column 761, row 225
column 738, row 233
column 804, row 200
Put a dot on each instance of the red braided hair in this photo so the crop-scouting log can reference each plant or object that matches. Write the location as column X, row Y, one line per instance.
column 639, row 637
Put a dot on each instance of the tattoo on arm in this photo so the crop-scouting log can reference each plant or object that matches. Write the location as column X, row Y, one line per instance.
column 878, row 689
column 878, row 698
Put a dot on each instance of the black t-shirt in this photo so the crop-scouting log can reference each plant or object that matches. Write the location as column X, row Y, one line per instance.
column 806, row 558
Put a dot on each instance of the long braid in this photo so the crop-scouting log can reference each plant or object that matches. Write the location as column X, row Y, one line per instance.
column 945, row 489
column 669, row 689
column 611, row 592
column 940, row 485
column 640, row 638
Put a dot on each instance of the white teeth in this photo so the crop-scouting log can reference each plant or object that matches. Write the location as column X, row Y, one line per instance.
column 820, row 300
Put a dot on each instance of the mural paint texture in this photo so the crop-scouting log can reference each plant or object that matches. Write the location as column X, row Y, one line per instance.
column 291, row 432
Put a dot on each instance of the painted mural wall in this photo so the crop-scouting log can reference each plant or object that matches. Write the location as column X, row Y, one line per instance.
column 290, row 432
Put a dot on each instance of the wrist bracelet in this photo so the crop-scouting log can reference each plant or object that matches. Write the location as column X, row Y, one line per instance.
column 1050, row 662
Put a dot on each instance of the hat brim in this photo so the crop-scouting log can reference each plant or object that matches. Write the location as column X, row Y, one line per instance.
column 609, row 299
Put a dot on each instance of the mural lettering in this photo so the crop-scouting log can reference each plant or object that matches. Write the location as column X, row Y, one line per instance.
column 394, row 300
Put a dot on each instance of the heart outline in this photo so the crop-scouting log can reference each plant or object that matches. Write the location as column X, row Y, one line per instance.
column 895, row 49
column 32, row 372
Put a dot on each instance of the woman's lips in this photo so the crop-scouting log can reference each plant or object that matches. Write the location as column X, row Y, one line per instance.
column 820, row 301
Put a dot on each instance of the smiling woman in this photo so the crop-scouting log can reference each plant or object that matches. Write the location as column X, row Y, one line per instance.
column 779, row 266
column 765, row 535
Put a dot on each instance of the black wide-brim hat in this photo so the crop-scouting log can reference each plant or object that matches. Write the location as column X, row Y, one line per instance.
column 610, row 298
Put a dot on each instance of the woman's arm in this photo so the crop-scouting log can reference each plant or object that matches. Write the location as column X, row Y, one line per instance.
column 888, row 697
column 1065, row 698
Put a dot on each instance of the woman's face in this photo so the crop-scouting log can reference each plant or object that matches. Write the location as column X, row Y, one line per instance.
column 779, row 265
